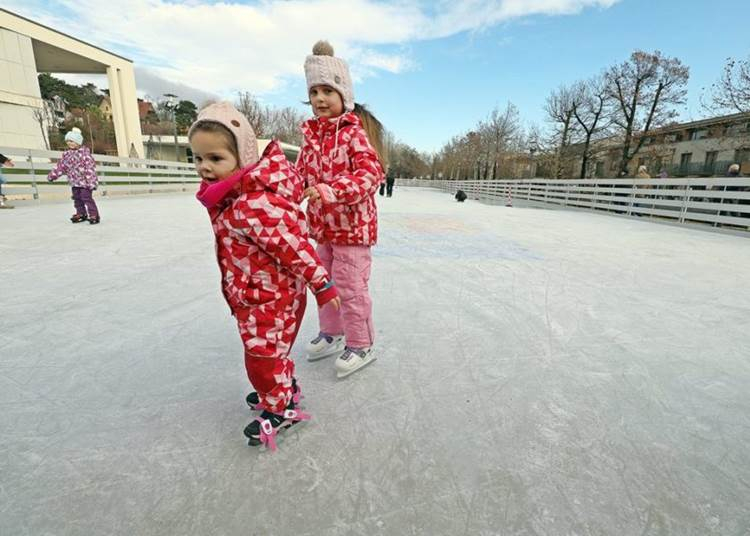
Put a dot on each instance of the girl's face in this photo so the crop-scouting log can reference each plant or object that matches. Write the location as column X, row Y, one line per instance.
column 214, row 161
column 326, row 101
column 71, row 144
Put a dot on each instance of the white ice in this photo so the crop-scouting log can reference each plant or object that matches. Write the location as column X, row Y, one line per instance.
column 539, row 373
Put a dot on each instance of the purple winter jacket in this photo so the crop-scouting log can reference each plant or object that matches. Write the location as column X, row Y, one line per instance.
column 79, row 166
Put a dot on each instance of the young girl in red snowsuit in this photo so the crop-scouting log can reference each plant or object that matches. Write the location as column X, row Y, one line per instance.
column 264, row 256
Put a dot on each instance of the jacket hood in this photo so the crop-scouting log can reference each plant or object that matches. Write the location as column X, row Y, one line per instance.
column 272, row 173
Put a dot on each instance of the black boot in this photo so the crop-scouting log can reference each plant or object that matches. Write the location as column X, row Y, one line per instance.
column 78, row 218
column 94, row 221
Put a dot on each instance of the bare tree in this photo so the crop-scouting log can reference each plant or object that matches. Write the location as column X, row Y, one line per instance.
column 256, row 113
column 589, row 107
column 560, row 107
column 644, row 91
column 40, row 114
column 284, row 124
column 732, row 90
column 497, row 134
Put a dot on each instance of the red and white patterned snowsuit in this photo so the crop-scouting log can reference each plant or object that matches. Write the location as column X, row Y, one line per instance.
column 338, row 159
column 266, row 260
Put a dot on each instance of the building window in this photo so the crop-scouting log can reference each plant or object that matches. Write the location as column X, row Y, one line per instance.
column 742, row 155
column 708, row 166
column 698, row 134
column 685, row 159
column 599, row 169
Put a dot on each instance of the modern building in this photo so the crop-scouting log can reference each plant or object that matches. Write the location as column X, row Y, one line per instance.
column 28, row 48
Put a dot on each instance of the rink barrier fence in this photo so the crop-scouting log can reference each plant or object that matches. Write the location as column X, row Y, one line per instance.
column 714, row 201
column 116, row 175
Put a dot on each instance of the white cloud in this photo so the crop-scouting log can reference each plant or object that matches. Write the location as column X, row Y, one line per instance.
column 219, row 48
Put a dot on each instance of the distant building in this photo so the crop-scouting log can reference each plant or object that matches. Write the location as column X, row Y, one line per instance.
column 106, row 108
column 698, row 148
column 146, row 111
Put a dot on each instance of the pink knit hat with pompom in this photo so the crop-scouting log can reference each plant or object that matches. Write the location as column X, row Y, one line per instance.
column 323, row 69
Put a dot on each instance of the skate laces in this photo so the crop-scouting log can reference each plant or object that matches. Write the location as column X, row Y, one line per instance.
column 322, row 336
column 350, row 352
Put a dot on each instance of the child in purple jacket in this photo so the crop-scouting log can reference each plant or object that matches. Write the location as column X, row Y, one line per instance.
column 79, row 166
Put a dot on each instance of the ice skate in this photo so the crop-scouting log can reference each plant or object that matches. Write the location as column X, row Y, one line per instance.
column 352, row 360
column 265, row 428
column 324, row 346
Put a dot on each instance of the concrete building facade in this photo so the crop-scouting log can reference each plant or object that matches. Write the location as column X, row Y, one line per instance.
column 28, row 48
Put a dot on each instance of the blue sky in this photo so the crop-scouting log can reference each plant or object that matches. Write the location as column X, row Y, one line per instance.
column 429, row 70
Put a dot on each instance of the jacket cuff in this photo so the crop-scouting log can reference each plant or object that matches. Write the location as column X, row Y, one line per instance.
column 326, row 294
column 327, row 194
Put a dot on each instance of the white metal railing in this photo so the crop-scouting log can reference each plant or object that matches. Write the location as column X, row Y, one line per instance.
column 721, row 200
column 116, row 175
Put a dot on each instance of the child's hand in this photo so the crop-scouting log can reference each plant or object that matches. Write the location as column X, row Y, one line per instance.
column 328, row 294
column 9, row 163
column 311, row 193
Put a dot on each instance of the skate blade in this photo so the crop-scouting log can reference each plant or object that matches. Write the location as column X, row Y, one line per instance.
column 340, row 375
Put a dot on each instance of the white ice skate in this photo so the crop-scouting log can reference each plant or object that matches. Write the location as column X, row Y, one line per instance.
column 352, row 360
column 324, row 346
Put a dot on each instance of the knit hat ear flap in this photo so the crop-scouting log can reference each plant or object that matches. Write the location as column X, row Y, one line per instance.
column 324, row 69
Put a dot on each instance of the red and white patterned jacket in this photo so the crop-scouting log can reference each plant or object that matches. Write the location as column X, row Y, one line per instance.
column 79, row 166
column 339, row 161
column 262, row 243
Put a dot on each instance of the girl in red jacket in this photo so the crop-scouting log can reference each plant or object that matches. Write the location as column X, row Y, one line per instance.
column 342, row 172
column 264, row 256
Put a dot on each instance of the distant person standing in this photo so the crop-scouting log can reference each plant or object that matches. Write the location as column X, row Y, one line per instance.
column 4, row 162
column 390, row 180
column 734, row 172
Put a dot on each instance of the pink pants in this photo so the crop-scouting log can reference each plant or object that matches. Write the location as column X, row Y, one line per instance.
column 349, row 267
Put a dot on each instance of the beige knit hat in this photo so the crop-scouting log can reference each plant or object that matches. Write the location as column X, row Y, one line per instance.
column 322, row 68
column 228, row 116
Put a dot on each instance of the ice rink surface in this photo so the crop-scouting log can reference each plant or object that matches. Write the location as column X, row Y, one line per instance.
column 539, row 373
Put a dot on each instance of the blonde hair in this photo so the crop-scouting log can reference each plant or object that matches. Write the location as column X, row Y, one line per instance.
column 374, row 130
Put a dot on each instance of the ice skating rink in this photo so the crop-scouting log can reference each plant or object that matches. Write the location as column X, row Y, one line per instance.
column 539, row 373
